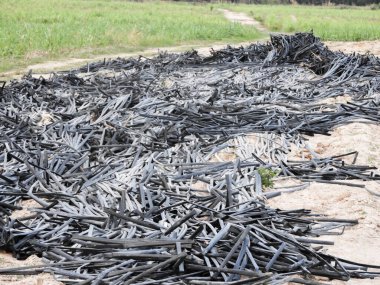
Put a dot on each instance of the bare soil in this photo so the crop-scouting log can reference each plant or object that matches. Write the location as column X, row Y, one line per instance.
column 7, row 261
column 360, row 243
column 244, row 19
column 362, row 47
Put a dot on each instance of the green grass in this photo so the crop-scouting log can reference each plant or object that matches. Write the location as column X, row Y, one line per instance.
column 329, row 23
column 33, row 31
column 37, row 30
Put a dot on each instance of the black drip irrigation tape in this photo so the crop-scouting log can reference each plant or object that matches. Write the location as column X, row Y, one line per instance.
column 118, row 157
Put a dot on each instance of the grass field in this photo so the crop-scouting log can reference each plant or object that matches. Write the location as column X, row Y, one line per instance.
column 329, row 23
column 33, row 31
column 36, row 30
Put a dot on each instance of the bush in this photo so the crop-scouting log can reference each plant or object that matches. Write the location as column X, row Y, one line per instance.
column 267, row 176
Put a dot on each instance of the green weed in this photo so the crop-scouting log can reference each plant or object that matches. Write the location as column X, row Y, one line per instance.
column 267, row 176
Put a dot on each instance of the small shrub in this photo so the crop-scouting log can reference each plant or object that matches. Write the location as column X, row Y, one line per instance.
column 267, row 176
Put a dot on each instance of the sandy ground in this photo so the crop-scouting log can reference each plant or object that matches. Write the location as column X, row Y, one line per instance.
column 357, row 47
column 360, row 243
column 8, row 261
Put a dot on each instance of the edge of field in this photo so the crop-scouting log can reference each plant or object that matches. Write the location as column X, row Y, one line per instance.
column 74, row 62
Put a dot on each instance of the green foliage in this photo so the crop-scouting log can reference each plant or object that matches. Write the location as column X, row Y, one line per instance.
column 267, row 176
column 35, row 30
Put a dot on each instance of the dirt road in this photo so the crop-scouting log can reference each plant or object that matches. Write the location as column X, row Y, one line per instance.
column 244, row 19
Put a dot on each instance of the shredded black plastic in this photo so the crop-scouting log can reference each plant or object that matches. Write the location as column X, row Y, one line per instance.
column 121, row 158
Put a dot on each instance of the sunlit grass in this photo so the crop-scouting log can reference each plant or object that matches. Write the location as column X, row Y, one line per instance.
column 37, row 30
column 329, row 23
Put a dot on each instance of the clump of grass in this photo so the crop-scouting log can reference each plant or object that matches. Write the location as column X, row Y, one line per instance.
column 267, row 176
column 57, row 28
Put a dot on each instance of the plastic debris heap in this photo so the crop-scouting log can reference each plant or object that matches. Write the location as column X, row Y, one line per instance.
column 119, row 159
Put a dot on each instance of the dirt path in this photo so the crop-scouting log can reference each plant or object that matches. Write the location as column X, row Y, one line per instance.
column 65, row 64
column 244, row 19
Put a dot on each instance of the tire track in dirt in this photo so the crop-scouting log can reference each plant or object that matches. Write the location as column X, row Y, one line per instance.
column 244, row 19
